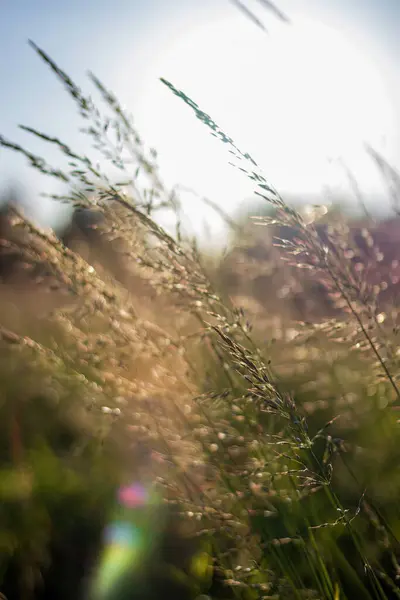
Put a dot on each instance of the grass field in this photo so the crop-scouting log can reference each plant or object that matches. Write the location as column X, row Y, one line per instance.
column 181, row 425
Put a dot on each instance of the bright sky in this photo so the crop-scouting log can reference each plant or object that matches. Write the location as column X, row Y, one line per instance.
column 305, row 93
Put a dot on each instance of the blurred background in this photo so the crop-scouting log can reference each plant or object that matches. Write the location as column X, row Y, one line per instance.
column 302, row 86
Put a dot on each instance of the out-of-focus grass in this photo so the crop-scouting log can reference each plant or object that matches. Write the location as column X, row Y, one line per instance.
column 259, row 401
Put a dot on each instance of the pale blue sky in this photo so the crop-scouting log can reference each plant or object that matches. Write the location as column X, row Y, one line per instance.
column 121, row 42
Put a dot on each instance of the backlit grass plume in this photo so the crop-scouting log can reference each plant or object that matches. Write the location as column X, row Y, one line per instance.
column 271, row 426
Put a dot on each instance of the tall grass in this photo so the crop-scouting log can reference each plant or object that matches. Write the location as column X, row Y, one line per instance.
column 273, row 443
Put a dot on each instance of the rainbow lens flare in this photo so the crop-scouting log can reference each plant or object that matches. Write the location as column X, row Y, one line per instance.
column 133, row 496
column 128, row 539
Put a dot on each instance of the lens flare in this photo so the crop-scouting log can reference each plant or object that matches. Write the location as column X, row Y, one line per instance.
column 128, row 539
column 133, row 495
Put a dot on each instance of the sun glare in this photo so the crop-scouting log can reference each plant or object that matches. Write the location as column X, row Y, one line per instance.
column 296, row 99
